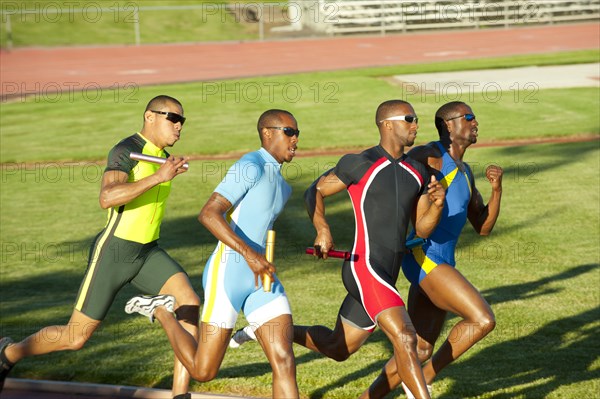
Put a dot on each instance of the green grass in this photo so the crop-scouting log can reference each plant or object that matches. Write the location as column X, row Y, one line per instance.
column 68, row 23
column 334, row 109
column 538, row 269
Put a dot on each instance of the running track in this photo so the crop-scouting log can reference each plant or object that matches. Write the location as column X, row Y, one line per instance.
column 30, row 70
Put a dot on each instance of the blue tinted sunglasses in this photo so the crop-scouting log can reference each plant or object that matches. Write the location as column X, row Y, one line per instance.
column 468, row 117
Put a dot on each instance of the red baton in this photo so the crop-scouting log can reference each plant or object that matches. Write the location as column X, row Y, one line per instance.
column 332, row 253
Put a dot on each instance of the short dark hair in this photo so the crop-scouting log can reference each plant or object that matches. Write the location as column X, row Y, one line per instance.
column 386, row 108
column 444, row 113
column 270, row 118
column 160, row 101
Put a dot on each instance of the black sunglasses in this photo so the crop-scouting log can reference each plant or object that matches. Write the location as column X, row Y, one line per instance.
column 468, row 117
column 171, row 116
column 288, row 131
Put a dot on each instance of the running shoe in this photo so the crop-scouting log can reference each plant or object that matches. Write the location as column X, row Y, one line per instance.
column 242, row 336
column 5, row 365
column 147, row 304
column 409, row 394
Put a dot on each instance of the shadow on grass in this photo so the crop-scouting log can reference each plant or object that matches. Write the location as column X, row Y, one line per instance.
column 543, row 359
column 532, row 289
column 559, row 353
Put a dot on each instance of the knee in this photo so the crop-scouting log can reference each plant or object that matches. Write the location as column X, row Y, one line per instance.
column 188, row 298
column 282, row 361
column 424, row 350
column 188, row 308
column 339, row 355
column 340, row 351
column 407, row 341
column 76, row 343
column 487, row 321
column 204, row 374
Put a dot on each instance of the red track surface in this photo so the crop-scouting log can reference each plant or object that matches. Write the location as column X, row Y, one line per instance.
column 31, row 70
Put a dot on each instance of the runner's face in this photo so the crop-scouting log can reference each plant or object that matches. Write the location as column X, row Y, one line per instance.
column 462, row 130
column 404, row 131
column 169, row 132
column 282, row 146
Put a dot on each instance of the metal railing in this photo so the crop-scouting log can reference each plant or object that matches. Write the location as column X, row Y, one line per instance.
column 364, row 16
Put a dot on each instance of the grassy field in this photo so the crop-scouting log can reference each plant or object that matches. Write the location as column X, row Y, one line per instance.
column 334, row 109
column 69, row 23
column 539, row 268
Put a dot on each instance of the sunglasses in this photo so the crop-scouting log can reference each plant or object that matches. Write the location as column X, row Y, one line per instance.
column 171, row 116
column 468, row 117
column 407, row 118
column 288, row 131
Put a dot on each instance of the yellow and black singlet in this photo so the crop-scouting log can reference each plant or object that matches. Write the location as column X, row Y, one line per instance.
column 140, row 219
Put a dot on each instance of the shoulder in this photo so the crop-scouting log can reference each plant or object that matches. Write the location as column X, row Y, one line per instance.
column 118, row 157
column 250, row 168
column 422, row 152
column 368, row 155
column 417, row 167
column 132, row 143
column 252, row 160
column 348, row 159
column 469, row 172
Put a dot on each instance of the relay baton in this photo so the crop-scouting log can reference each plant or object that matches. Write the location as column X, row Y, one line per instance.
column 267, row 281
column 415, row 242
column 332, row 253
column 149, row 158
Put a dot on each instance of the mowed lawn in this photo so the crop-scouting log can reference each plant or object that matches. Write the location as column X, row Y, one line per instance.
column 538, row 269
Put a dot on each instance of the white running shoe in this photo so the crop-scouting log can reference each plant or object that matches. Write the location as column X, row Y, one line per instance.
column 409, row 394
column 242, row 336
column 147, row 304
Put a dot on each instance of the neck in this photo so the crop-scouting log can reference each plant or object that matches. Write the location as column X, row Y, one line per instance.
column 456, row 150
column 279, row 161
column 396, row 150
column 151, row 138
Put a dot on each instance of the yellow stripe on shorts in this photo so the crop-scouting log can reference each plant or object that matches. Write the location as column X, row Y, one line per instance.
column 426, row 264
column 214, row 281
column 94, row 260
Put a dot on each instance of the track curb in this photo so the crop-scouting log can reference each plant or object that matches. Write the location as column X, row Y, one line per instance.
column 100, row 390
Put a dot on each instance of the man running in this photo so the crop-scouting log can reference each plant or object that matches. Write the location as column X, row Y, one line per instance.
column 126, row 250
column 387, row 190
column 239, row 213
column 436, row 286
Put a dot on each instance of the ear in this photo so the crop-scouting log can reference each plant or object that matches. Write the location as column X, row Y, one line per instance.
column 448, row 126
column 149, row 116
column 267, row 133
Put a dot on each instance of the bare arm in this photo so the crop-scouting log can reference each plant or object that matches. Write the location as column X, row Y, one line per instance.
column 326, row 185
column 483, row 217
column 211, row 216
column 429, row 209
column 116, row 191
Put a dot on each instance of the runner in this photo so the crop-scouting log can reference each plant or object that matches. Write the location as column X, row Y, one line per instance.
column 126, row 250
column 239, row 213
column 436, row 286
